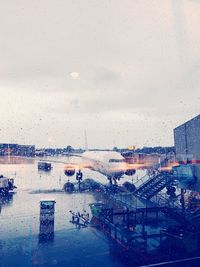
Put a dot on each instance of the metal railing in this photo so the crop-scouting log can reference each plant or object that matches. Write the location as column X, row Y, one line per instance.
column 162, row 199
column 143, row 180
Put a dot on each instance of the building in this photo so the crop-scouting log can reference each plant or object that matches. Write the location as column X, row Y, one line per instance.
column 187, row 140
column 187, row 145
column 17, row 150
column 25, row 150
column 8, row 149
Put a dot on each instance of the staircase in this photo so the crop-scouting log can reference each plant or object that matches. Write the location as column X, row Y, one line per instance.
column 178, row 216
column 153, row 186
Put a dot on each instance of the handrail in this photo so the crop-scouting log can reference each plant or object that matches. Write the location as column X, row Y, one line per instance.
column 141, row 180
column 162, row 199
column 150, row 177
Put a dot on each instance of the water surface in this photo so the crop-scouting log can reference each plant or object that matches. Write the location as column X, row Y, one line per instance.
column 19, row 219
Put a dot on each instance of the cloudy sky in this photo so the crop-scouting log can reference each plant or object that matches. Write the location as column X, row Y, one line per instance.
column 127, row 72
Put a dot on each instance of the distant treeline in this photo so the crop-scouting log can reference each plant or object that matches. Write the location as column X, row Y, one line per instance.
column 150, row 150
column 157, row 149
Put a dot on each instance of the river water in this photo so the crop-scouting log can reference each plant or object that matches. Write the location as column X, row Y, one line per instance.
column 19, row 221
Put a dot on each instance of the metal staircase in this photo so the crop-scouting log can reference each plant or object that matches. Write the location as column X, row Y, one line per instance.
column 153, row 186
column 179, row 216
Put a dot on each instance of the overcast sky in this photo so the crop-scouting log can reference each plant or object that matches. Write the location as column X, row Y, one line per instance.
column 127, row 72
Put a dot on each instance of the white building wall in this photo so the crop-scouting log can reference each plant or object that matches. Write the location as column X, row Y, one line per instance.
column 187, row 140
column 187, row 144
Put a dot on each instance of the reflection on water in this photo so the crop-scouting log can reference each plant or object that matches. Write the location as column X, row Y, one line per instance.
column 15, row 160
column 6, row 200
column 20, row 221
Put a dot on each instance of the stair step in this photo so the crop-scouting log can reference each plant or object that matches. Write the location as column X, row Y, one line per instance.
column 151, row 187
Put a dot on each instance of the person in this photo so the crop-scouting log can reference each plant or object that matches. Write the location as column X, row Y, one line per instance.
column 77, row 219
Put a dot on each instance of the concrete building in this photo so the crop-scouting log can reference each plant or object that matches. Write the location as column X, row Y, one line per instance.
column 187, row 145
column 26, row 150
column 17, row 150
column 187, row 140
column 8, row 149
